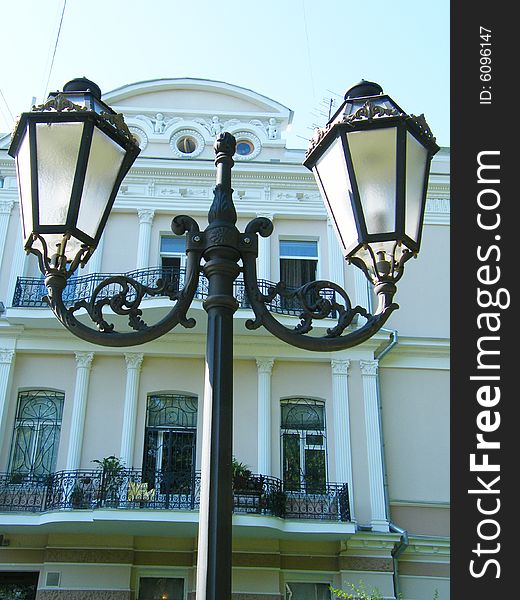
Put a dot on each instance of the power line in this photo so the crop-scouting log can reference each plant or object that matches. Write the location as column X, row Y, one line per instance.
column 7, row 106
column 311, row 73
column 54, row 53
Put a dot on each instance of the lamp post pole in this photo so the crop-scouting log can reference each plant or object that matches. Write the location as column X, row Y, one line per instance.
column 214, row 553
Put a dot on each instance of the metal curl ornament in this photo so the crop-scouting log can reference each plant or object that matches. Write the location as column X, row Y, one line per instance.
column 126, row 302
column 315, row 305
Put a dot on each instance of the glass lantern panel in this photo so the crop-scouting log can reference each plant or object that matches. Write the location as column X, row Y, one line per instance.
column 103, row 167
column 57, row 150
column 416, row 157
column 333, row 179
column 374, row 155
column 23, row 166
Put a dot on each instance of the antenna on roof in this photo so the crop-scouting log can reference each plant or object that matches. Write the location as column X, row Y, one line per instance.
column 325, row 109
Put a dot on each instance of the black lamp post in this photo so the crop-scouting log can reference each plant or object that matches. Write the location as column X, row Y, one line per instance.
column 371, row 162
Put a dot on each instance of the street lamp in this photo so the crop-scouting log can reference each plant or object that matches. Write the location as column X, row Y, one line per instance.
column 371, row 162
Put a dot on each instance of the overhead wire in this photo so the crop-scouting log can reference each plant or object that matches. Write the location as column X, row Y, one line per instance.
column 8, row 109
column 309, row 58
column 54, row 51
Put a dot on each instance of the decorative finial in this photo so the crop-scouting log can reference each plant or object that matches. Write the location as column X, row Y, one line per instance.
column 225, row 144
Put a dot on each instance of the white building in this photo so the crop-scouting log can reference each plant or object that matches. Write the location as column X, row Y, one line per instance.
column 372, row 420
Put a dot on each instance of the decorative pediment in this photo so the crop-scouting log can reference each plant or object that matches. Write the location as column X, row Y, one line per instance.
column 188, row 114
column 191, row 96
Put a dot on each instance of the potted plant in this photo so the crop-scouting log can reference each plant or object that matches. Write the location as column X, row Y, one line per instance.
column 275, row 502
column 112, row 476
column 243, row 479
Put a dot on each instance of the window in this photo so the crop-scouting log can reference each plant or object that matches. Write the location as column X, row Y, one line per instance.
column 244, row 147
column 170, row 441
column 36, row 432
column 173, row 259
column 303, row 445
column 248, row 145
column 187, row 143
column 307, row 591
column 18, row 584
column 298, row 266
column 161, row 588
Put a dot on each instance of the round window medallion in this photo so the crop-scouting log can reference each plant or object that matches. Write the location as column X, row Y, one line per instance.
column 248, row 145
column 187, row 143
column 244, row 147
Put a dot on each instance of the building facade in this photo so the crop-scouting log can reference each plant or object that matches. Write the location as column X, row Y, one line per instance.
column 342, row 459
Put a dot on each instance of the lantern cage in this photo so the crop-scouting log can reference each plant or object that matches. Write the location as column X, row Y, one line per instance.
column 372, row 162
column 72, row 153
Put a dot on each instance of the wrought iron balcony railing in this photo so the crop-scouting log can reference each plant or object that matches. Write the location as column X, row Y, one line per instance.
column 29, row 291
column 132, row 489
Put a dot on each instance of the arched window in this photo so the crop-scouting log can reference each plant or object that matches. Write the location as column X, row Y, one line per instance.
column 170, row 442
column 303, row 445
column 36, row 432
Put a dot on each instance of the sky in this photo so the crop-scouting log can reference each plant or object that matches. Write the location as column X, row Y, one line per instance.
column 300, row 53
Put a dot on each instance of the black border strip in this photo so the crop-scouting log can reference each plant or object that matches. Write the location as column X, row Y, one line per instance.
column 484, row 211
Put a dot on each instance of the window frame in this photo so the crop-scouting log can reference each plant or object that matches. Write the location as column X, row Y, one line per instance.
column 306, row 580
column 162, row 429
column 177, row 254
column 37, row 425
column 303, row 442
column 172, row 573
column 299, row 238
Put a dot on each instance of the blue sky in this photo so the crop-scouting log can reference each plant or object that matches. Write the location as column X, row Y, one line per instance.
column 297, row 52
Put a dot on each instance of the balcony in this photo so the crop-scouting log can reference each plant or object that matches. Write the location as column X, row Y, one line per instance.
column 137, row 490
column 29, row 291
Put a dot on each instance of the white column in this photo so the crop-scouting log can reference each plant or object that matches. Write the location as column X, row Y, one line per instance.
column 374, row 445
column 361, row 289
column 6, row 365
column 263, row 263
column 95, row 261
column 340, row 403
column 265, row 368
column 6, row 207
column 17, row 261
column 336, row 260
column 79, row 408
column 145, row 232
column 134, row 361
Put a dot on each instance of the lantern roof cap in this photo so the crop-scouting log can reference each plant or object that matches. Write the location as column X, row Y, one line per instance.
column 82, row 84
column 362, row 89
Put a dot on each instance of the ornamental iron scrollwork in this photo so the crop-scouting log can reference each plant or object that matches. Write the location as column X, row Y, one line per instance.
column 318, row 300
column 370, row 110
column 126, row 298
column 313, row 302
column 59, row 103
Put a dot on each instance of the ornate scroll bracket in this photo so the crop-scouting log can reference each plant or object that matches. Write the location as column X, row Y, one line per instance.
column 124, row 295
column 316, row 300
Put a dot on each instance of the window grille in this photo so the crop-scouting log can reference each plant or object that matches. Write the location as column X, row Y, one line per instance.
column 170, row 442
column 303, row 445
column 36, row 432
